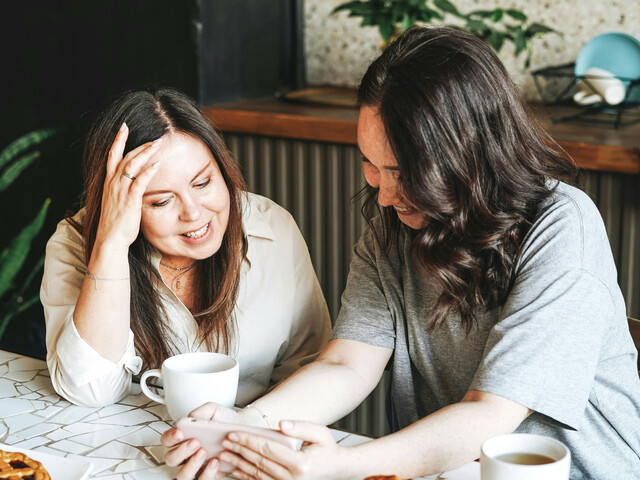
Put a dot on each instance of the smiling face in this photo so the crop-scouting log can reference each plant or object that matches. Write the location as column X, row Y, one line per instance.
column 381, row 168
column 185, row 209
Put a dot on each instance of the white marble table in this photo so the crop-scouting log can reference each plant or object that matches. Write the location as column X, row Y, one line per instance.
column 122, row 440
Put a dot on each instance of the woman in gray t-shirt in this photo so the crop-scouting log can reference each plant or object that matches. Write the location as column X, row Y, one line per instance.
column 486, row 281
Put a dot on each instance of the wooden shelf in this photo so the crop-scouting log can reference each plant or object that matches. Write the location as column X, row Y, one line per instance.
column 593, row 147
column 273, row 117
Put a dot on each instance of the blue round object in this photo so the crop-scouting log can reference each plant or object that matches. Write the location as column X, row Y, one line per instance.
column 618, row 53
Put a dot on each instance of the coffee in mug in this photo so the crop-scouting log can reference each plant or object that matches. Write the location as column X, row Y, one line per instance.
column 523, row 456
column 192, row 379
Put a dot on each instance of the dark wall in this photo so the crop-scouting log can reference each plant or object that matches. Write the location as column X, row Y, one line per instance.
column 62, row 61
column 250, row 48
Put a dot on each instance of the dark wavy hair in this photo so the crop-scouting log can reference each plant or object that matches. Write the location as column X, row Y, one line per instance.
column 150, row 114
column 470, row 156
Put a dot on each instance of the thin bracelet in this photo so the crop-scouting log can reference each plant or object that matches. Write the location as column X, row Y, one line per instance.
column 95, row 279
column 264, row 417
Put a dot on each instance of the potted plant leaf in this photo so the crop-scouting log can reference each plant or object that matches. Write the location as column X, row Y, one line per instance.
column 14, row 159
column 495, row 26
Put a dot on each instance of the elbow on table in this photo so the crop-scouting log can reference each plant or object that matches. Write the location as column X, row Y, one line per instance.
column 96, row 393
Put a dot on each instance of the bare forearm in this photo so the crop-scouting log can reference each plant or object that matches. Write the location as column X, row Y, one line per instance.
column 446, row 439
column 321, row 392
column 102, row 311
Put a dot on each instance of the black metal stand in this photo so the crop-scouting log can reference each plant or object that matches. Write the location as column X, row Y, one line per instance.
column 558, row 84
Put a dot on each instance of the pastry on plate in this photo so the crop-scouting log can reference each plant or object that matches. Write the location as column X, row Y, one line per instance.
column 18, row 466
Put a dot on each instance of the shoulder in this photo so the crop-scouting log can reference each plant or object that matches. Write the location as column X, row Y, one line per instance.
column 568, row 226
column 374, row 228
column 257, row 205
column 383, row 238
column 571, row 209
column 264, row 218
column 66, row 234
column 571, row 199
column 65, row 251
column 385, row 249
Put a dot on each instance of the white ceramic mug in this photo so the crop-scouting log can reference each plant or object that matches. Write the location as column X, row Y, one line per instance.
column 192, row 379
column 524, row 456
column 598, row 85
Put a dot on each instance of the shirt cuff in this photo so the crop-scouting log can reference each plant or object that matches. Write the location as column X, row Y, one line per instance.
column 83, row 364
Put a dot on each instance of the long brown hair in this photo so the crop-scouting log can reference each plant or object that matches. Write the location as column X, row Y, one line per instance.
column 470, row 156
column 150, row 114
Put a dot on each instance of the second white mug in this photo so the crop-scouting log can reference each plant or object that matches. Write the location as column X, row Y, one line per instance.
column 192, row 379
column 523, row 456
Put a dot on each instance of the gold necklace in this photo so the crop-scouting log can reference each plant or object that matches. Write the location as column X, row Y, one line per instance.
column 181, row 270
column 177, row 269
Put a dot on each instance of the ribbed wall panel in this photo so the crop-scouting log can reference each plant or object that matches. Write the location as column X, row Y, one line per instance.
column 316, row 182
column 618, row 199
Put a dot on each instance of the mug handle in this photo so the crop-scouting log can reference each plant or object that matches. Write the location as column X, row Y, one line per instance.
column 143, row 385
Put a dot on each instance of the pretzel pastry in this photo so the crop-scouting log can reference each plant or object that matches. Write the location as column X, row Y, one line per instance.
column 18, row 466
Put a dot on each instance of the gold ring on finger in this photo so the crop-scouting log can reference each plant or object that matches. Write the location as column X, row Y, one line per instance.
column 128, row 175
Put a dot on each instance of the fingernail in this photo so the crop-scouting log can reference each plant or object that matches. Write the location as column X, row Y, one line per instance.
column 227, row 444
column 156, row 142
column 233, row 437
column 225, row 457
column 123, row 126
column 192, row 443
column 200, row 455
column 286, row 425
column 213, row 463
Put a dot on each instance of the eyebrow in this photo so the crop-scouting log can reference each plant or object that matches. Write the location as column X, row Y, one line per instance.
column 365, row 159
column 156, row 192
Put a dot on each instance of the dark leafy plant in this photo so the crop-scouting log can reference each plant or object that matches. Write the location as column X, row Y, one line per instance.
column 14, row 159
column 496, row 26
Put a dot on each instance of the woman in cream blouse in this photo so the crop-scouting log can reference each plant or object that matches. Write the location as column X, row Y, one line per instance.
column 171, row 255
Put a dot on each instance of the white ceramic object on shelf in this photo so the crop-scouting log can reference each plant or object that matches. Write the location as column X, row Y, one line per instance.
column 598, row 85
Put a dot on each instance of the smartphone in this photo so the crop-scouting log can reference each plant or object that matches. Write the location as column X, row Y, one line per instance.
column 211, row 433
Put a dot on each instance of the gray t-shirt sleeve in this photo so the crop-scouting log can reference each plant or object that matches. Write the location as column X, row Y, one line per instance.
column 543, row 351
column 364, row 315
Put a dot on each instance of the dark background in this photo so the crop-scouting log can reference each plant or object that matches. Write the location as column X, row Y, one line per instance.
column 61, row 63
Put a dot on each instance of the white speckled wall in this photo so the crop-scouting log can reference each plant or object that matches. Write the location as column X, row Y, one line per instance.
column 338, row 50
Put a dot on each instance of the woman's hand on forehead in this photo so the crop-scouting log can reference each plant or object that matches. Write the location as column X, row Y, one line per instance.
column 125, row 183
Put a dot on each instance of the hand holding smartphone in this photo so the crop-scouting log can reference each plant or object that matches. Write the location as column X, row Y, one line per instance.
column 211, row 433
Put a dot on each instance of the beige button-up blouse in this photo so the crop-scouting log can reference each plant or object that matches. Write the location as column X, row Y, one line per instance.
column 281, row 315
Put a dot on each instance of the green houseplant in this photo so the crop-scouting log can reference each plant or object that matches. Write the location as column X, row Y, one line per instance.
column 494, row 26
column 14, row 159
